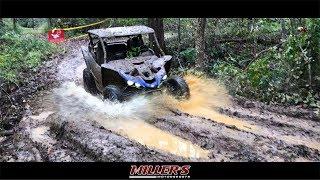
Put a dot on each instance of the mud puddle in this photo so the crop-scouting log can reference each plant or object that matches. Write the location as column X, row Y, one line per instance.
column 289, row 130
column 153, row 137
column 129, row 119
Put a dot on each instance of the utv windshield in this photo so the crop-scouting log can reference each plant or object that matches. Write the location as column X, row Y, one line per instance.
column 123, row 42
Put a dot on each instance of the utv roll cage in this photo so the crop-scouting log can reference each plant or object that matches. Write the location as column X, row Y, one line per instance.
column 105, row 36
column 120, row 64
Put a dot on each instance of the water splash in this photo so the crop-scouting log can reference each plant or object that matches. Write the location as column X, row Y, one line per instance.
column 207, row 95
column 128, row 119
column 131, row 118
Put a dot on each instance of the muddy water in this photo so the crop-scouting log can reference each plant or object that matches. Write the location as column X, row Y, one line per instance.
column 151, row 136
column 128, row 119
column 206, row 96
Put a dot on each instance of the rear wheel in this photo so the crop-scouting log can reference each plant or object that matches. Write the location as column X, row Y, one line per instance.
column 178, row 87
column 113, row 93
column 89, row 83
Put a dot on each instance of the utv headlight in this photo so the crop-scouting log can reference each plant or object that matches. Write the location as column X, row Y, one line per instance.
column 137, row 85
column 164, row 77
column 130, row 83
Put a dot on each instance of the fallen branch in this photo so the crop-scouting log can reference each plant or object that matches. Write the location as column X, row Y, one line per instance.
column 307, row 60
column 235, row 63
column 6, row 133
column 261, row 52
column 265, row 50
column 8, row 95
column 245, row 40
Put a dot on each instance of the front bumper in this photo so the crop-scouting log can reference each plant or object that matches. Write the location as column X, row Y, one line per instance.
column 130, row 92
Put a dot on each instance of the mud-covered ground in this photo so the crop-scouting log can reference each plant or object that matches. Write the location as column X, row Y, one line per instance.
column 64, row 123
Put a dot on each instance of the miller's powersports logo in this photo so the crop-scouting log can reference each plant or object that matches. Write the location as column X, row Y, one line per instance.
column 160, row 171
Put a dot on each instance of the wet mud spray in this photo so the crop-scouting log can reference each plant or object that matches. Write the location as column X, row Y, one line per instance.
column 207, row 95
column 130, row 119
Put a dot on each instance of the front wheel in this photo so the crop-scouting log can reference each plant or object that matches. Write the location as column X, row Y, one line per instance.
column 89, row 83
column 178, row 87
column 112, row 93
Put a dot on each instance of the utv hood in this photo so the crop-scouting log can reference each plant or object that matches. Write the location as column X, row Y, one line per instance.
column 146, row 71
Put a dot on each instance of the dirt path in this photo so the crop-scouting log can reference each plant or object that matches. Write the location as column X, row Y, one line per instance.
column 67, row 124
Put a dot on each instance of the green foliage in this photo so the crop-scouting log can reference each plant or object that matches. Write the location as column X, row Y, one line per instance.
column 2, row 28
column 129, row 21
column 186, row 34
column 19, row 52
column 33, row 59
column 189, row 55
column 133, row 52
column 31, row 22
column 313, row 27
column 281, row 74
column 268, row 26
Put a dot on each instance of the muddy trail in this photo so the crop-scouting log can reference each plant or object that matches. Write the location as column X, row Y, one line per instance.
column 65, row 123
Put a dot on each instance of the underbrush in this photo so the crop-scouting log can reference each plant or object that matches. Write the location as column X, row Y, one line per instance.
column 260, row 65
column 20, row 52
column 288, row 74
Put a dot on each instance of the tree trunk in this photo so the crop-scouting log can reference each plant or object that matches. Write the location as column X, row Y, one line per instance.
column 14, row 20
column 250, row 25
column 50, row 24
column 1, row 22
column 1, row 30
column 293, row 25
column 255, row 37
column 314, row 47
column 200, row 42
column 283, row 28
column 157, row 25
column 33, row 23
column 179, row 35
column 111, row 22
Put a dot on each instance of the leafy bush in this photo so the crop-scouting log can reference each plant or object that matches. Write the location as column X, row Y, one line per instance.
column 30, row 22
column 20, row 52
column 189, row 55
column 284, row 75
column 133, row 52
column 129, row 21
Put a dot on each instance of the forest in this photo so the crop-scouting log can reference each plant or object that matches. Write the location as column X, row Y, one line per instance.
column 268, row 66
